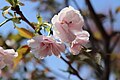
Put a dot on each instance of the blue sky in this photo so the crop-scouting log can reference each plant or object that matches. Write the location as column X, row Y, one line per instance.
column 54, row 62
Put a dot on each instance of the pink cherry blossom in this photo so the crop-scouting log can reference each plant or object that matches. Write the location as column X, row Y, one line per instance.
column 66, row 23
column 6, row 57
column 82, row 38
column 42, row 46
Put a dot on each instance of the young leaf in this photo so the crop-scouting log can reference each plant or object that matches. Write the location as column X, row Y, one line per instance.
column 10, row 1
column 46, row 24
column 39, row 18
column 21, row 4
column 25, row 33
column 14, row 3
column 5, row 8
column 21, row 52
column 16, row 20
column 118, row 9
column 48, row 29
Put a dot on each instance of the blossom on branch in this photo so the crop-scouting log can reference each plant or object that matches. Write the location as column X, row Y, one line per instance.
column 67, row 27
column 67, row 23
column 6, row 57
column 42, row 46
column 81, row 38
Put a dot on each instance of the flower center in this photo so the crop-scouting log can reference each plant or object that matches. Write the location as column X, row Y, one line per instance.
column 65, row 22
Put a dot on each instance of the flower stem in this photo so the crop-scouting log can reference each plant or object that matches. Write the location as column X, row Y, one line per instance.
column 75, row 71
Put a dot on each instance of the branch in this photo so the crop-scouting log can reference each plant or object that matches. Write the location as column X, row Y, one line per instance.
column 66, row 3
column 115, row 43
column 93, row 40
column 96, row 19
column 17, row 10
column 106, row 38
column 114, row 33
column 75, row 71
column 5, row 21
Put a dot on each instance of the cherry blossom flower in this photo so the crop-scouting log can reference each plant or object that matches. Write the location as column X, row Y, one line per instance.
column 66, row 23
column 42, row 46
column 6, row 57
column 82, row 38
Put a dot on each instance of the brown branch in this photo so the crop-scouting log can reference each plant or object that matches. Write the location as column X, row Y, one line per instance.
column 17, row 10
column 66, row 3
column 93, row 40
column 75, row 71
column 106, row 38
column 115, row 43
column 96, row 19
column 114, row 33
column 107, row 60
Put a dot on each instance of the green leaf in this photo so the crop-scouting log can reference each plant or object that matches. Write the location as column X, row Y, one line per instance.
column 5, row 11
column 5, row 8
column 48, row 29
column 21, row 4
column 14, row 3
column 10, row 1
column 39, row 18
column 25, row 33
column 46, row 24
column 118, row 9
column 16, row 20
column 15, row 37
column 10, row 14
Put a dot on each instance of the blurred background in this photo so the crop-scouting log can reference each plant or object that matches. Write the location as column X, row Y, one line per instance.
column 102, row 62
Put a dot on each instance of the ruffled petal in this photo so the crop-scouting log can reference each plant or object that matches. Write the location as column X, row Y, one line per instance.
column 64, row 33
column 75, row 49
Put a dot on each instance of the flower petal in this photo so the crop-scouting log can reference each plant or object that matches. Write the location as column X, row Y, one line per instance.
column 64, row 33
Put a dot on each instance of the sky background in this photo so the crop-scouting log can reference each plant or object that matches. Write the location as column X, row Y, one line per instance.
column 56, row 64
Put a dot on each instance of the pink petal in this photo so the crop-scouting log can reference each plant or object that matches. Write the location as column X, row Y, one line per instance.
column 82, row 37
column 2, row 64
column 76, row 27
column 64, row 33
column 75, row 49
column 55, row 19
column 69, row 16
column 57, row 48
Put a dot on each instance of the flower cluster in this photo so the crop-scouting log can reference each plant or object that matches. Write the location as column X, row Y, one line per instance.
column 45, row 45
column 67, row 27
column 6, row 57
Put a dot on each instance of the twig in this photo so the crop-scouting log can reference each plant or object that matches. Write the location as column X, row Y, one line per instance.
column 106, row 38
column 66, row 3
column 96, row 19
column 114, row 45
column 75, row 71
column 5, row 21
column 17, row 10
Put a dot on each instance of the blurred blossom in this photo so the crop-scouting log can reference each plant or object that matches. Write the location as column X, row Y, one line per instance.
column 6, row 57
column 42, row 46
